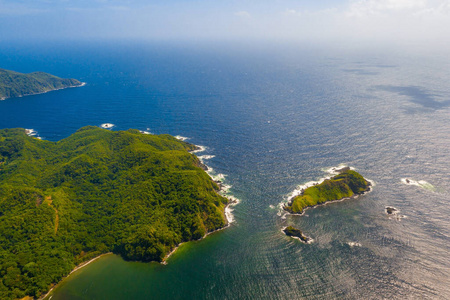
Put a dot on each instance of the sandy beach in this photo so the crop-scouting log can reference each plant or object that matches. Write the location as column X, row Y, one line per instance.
column 82, row 265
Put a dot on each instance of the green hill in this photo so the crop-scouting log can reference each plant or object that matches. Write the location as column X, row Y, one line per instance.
column 14, row 84
column 346, row 184
column 65, row 202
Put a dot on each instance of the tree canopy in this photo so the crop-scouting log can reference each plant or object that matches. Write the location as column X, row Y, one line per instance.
column 346, row 184
column 97, row 191
column 15, row 84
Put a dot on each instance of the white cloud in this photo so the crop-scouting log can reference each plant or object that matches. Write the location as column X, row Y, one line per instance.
column 291, row 12
column 364, row 8
column 242, row 14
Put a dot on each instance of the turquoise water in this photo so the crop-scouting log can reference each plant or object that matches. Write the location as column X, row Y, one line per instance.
column 273, row 120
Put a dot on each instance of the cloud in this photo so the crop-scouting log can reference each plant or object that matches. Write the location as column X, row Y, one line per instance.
column 347, row 22
column 364, row 8
column 242, row 14
column 291, row 12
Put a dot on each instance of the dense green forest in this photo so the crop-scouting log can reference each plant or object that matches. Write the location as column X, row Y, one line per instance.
column 346, row 184
column 14, row 84
column 62, row 203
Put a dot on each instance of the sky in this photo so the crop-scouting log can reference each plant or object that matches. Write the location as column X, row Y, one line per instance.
column 356, row 21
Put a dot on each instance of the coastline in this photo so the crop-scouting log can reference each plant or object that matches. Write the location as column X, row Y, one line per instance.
column 300, row 189
column 232, row 201
column 78, row 267
column 67, row 87
column 329, row 202
column 310, row 239
column 227, row 212
column 228, row 224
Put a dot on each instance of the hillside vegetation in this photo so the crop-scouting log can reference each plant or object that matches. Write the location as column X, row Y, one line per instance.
column 343, row 185
column 14, row 84
column 62, row 203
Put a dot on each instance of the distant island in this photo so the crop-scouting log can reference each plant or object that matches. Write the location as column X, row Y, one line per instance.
column 14, row 84
column 97, row 191
column 346, row 184
column 296, row 233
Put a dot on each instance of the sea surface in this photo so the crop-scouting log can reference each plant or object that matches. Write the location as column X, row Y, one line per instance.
column 273, row 118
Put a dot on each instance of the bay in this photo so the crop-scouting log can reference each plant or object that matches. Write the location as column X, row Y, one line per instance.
column 273, row 119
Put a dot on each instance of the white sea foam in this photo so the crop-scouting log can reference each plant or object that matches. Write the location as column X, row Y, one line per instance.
column 199, row 149
column 30, row 132
column 354, row 244
column 300, row 188
column 335, row 170
column 420, row 183
column 230, row 208
column 203, row 157
column 220, row 179
column 145, row 132
column 181, row 138
column 33, row 133
column 395, row 213
column 107, row 125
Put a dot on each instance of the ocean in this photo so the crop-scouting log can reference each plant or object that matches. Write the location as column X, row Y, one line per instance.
column 270, row 119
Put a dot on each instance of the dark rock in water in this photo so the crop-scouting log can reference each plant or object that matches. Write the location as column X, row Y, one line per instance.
column 407, row 180
column 391, row 210
column 202, row 166
column 220, row 184
column 294, row 232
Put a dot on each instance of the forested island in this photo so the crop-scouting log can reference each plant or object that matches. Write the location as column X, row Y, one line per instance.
column 346, row 184
column 97, row 191
column 15, row 84
column 296, row 233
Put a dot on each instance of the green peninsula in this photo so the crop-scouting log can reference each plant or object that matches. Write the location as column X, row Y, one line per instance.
column 347, row 184
column 14, row 84
column 97, row 191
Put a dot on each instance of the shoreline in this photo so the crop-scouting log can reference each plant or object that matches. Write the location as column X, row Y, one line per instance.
column 329, row 202
column 67, row 87
column 228, row 224
column 310, row 239
column 78, row 267
column 227, row 212
column 301, row 188
column 223, row 188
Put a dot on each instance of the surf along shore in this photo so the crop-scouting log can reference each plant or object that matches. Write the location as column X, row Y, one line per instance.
column 223, row 191
column 286, row 206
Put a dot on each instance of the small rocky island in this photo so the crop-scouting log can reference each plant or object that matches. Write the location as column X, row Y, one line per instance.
column 391, row 210
column 15, row 84
column 296, row 233
column 346, row 184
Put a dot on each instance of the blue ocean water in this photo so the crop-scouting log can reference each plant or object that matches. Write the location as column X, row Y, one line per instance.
column 273, row 119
